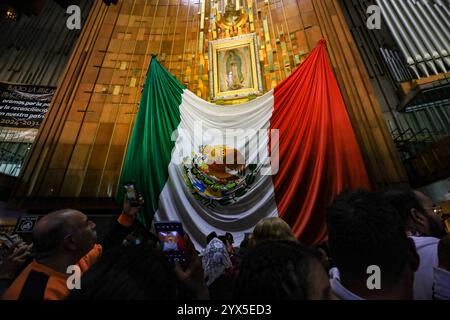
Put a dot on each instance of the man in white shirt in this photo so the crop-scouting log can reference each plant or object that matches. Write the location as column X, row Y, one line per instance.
column 365, row 233
column 415, row 209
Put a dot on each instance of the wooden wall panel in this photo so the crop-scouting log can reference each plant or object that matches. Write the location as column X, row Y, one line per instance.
column 82, row 143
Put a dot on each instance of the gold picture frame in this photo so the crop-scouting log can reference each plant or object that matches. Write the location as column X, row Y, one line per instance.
column 235, row 71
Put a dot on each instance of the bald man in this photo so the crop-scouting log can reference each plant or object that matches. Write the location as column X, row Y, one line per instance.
column 61, row 239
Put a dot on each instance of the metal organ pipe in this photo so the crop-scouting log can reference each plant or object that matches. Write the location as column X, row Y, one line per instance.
column 444, row 31
column 444, row 46
column 406, row 39
column 405, row 70
column 387, row 58
column 422, row 32
column 442, row 10
column 427, row 36
column 398, row 39
column 412, row 32
column 412, row 49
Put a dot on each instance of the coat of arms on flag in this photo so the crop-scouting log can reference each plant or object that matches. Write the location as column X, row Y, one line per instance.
column 218, row 173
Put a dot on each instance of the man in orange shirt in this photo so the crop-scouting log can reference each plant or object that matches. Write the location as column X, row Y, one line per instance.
column 63, row 238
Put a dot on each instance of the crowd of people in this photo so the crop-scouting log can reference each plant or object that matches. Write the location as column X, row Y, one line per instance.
column 381, row 245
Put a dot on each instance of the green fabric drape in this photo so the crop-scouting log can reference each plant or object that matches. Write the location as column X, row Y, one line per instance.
column 158, row 116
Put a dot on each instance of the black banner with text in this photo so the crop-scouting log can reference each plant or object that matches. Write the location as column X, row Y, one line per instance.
column 24, row 106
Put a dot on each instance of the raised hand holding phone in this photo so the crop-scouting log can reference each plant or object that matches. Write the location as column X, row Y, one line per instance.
column 193, row 276
column 133, row 200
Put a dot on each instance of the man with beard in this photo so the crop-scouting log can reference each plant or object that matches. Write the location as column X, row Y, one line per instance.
column 424, row 227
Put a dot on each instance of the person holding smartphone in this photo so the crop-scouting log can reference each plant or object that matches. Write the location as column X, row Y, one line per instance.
column 181, row 254
column 66, row 238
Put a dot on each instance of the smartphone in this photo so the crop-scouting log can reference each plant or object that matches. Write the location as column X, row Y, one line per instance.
column 24, row 227
column 171, row 238
column 131, row 193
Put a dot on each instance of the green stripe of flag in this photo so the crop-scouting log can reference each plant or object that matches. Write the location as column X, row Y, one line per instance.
column 149, row 151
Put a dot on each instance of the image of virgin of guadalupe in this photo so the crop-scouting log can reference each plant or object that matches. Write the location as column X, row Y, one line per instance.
column 234, row 75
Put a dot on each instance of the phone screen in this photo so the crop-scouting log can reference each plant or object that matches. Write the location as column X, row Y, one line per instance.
column 171, row 238
column 130, row 191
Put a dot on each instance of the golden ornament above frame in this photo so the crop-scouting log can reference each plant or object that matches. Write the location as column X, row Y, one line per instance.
column 232, row 17
column 234, row 70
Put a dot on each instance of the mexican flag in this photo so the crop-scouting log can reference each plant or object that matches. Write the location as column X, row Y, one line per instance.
column 223, row 168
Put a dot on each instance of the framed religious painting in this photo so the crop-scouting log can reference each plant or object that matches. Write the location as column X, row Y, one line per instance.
column 234, row 68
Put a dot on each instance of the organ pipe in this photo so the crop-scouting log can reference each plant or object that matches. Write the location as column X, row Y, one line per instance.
column 421, row 30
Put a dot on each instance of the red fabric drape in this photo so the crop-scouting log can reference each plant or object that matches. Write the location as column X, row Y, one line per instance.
column 318, row 153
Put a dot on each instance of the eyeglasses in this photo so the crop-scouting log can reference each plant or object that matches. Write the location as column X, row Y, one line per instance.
column 437, row 210
column 442, row 215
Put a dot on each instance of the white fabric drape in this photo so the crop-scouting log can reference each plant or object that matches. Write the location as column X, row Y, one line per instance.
column 176, row 201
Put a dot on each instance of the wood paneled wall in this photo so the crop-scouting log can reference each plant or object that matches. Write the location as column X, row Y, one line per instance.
column 81, row 145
